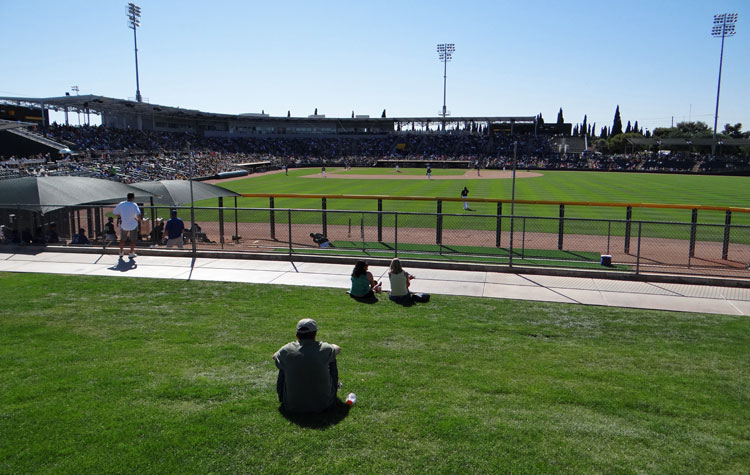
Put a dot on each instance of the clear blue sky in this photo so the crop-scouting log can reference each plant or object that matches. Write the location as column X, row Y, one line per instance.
column 656, row 58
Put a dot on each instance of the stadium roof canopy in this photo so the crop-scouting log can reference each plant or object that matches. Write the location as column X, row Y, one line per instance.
column 108, row 105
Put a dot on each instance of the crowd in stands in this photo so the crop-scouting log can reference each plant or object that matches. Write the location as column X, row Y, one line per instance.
column 132, row 155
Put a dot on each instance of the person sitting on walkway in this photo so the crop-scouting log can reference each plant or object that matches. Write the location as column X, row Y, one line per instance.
column 80, row 238
column 51, row 235
column 400, row 282
column 109, row 230
column 158, row 231
column 308, row 378
column 363, row 283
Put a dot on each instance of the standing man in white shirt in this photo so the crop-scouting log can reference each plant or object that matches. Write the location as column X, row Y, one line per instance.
column 129, row 216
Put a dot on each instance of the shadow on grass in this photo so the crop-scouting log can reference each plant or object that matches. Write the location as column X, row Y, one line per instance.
column 323, row 420
column 368, row 300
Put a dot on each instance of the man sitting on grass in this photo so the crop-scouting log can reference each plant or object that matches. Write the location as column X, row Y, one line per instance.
column 308, row 376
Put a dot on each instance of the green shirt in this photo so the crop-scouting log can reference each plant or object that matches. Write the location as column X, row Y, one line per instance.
column 307, row 381
column 360, row 285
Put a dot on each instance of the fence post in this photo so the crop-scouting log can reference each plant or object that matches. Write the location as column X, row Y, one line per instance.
column 221, row 221
column 638, row 252
column 362, row 230
column 380, row 220
column 324, row 217
column 693, row 229
column 498, row 231
column 727, row 228
column 97, row 221
column 153, row 219
column 609, row 233
column 561, row 228
column 628, row 223
column 236, row 236
column 289, row 222
column 439, row 226
column 89, row 222
column 272, row 218
column 395, row 234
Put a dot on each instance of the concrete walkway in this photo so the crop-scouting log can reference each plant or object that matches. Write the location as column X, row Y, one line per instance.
column 574, row 290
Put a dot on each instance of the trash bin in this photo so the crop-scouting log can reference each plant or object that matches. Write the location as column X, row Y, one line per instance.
column 606, row 260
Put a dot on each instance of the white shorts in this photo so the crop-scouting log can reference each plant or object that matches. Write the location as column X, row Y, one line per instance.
column 175, row 242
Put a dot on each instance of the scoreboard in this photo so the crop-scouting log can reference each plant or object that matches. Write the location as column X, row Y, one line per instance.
column 24, row 114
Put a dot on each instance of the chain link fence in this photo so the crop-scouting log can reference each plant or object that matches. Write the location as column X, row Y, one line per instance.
column 628, row 246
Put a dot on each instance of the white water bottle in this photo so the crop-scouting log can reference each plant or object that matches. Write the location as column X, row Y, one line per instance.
column 351, row 399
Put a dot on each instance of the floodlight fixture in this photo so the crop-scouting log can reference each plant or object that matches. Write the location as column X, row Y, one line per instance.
column 724, row 25
column 134, row 22
column 445, row 53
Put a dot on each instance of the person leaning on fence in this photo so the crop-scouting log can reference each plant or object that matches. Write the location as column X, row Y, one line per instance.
column 363, row 283
column 308, row 378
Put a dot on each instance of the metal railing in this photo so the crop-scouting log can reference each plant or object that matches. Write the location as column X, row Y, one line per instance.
column 635, row 246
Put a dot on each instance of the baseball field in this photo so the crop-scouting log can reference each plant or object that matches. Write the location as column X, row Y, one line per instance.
column 112, row 375
column 599, row 187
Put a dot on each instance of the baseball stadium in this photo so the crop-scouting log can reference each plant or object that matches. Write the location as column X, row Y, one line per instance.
column 576, row 300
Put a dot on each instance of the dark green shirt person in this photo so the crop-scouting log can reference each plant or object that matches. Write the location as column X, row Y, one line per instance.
column 308, row 375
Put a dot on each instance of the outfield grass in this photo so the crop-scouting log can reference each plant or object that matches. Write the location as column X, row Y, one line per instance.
column 552, row 185
column 113, row 375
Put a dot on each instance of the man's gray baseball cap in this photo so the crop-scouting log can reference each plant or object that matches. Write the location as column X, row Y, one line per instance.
column 307, row 325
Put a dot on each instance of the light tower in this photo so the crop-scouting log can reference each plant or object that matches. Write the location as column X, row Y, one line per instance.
column 723, row 27
column 445, row 53
column 134, row 21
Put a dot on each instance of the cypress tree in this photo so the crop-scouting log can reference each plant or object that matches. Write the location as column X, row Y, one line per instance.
column 627, row 128
column 635, row 127
column 584, row 130
column 560, row 120
column 617, row 123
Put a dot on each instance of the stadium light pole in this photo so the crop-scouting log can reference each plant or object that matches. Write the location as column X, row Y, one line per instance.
column 134, row 21
column 445, row 53
column 192, row 199
column 513, row 203
column 723, row 27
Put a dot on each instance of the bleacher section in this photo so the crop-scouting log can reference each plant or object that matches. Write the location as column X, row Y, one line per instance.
column 25, row 142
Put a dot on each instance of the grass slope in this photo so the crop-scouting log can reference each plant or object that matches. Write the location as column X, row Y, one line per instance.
column 104, row 375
